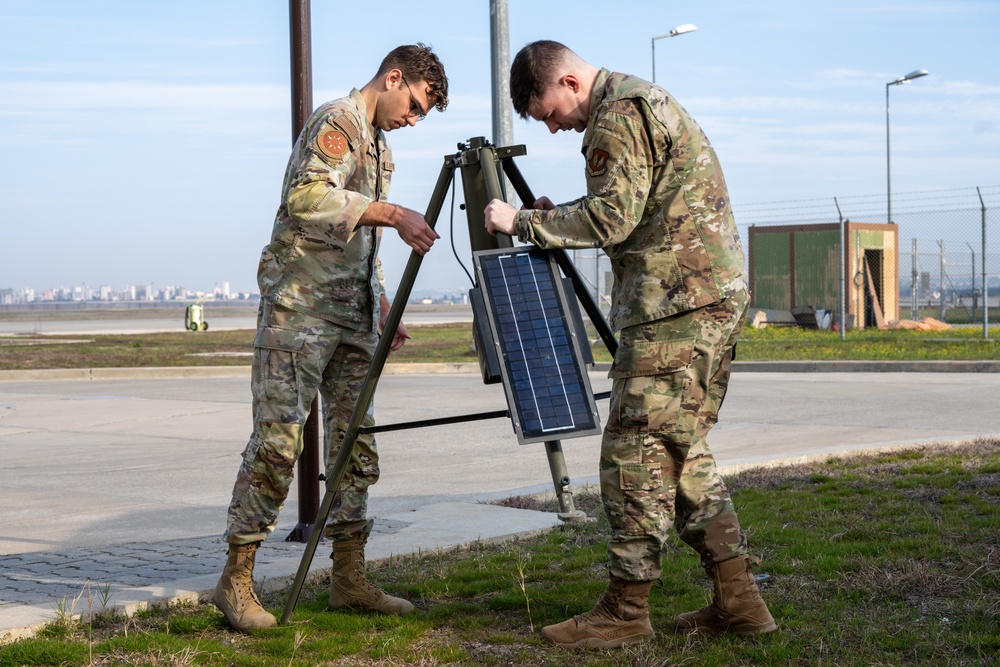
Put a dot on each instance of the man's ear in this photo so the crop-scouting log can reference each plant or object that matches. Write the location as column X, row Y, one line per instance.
column 571, row 82
column 392, row 79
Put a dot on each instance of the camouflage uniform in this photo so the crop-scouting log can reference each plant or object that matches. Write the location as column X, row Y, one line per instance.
column 320, row 284
column 657, row 204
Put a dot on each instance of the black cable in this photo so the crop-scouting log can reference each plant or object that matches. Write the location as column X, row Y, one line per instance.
column 451, row 231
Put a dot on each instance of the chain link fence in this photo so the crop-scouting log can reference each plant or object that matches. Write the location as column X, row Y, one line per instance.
column 940, row 259
column 930, row 263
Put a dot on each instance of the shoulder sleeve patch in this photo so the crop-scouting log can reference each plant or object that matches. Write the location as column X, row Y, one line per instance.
column 597, row 164
column 338, row 135
column 604, row 157
column 333, row 144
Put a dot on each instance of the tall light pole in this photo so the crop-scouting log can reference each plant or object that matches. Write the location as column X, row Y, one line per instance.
column 915, row 74
column 679, row 30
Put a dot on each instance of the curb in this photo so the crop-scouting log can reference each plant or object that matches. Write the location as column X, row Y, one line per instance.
column 181, row 372
column 867, row 366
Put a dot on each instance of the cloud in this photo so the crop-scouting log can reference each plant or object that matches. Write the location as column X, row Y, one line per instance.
column 37, row 96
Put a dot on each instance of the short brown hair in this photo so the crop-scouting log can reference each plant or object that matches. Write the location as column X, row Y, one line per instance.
column 535, row 67
column 418, row 63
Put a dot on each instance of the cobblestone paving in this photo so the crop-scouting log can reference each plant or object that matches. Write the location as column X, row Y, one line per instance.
column 46, row 578
column 41, row 578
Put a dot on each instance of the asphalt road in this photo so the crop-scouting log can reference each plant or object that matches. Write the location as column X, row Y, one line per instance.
column 87, row 463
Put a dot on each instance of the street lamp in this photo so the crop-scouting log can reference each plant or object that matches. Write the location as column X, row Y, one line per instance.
column 679, row 30
column 915, row 74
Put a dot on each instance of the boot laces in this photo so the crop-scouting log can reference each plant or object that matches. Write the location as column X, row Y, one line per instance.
column 367, row 586
column 606, row 608
column 244, row 582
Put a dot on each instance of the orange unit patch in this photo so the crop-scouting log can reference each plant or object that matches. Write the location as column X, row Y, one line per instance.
column 333, row 144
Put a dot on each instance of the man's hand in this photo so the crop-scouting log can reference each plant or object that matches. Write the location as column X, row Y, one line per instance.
column 401, row 334
column 414, row 230
column 399, row 338
column 409, row 224
column 543, row 204
column 500, row 218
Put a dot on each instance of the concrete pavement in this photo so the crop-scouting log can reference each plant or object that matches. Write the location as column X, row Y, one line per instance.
column 124, row 482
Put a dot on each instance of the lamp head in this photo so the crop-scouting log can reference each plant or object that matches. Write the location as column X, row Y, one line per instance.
column 915, row 74
column 681, row 29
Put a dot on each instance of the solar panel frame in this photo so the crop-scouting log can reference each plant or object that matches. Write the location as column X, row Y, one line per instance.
column 531, row 327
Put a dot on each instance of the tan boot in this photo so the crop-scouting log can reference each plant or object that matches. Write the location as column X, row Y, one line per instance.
column 348, row 587
column 620, row 617
column 737, row 606
column 234, row 595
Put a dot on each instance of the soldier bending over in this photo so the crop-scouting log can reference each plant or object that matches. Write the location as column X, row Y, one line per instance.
column 657, row 204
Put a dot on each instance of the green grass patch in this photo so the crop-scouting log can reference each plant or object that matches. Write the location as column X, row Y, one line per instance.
column 452, row 343
column 794, row 344
column 864, row 571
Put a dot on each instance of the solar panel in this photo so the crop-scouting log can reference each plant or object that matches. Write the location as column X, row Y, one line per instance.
column 544, row 376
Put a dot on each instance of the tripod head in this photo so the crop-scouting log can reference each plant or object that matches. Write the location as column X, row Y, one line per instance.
column 482, row 166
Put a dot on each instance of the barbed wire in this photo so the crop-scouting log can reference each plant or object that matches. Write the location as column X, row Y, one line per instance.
column 804, row 210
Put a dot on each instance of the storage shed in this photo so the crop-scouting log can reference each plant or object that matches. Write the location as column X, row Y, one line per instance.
column 796, row 266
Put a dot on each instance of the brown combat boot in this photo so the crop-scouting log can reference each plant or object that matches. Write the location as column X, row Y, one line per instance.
column 234, row 595
column 620, row 617
column 737, row 605
column 348, row 587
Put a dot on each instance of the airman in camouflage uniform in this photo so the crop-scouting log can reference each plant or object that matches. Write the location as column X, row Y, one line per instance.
column 657, row 204
column 323, row 304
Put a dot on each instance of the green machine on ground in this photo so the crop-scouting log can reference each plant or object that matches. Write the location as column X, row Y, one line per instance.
column 194, row 316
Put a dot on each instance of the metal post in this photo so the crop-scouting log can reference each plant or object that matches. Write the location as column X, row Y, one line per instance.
column 941, row 299
column 653, row 49
column 302, row 104
column 915, row 74
column 843, row 269
column 986, row 289
column 888, row 169
column 561, row 481
column 974, row 304
column 913, row 282
column 859, row 313
column 503, row 118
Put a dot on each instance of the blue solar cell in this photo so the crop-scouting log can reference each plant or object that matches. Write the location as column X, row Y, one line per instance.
column 543, row 371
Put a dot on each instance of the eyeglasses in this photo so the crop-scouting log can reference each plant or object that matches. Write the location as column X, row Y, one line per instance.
column 415, row 110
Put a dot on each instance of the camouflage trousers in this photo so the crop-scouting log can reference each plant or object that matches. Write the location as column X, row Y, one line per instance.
column 669, row 380
column 296, row 356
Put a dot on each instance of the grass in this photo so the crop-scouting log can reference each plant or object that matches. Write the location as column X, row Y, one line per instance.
column 889, row 559
column 793, row 344
column 452, row 343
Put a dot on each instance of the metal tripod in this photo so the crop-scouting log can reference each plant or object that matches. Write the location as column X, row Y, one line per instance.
column 480, row 164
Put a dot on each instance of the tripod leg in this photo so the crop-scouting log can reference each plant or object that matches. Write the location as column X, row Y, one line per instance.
column 336, row 474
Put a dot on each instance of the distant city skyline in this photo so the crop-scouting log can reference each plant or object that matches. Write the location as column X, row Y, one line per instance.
column 131, row 292
column 148, row 293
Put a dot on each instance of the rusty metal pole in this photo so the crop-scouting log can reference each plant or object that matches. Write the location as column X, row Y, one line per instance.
column 302, row 106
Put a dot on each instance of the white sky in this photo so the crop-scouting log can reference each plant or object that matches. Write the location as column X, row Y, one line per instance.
column 145, row 141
